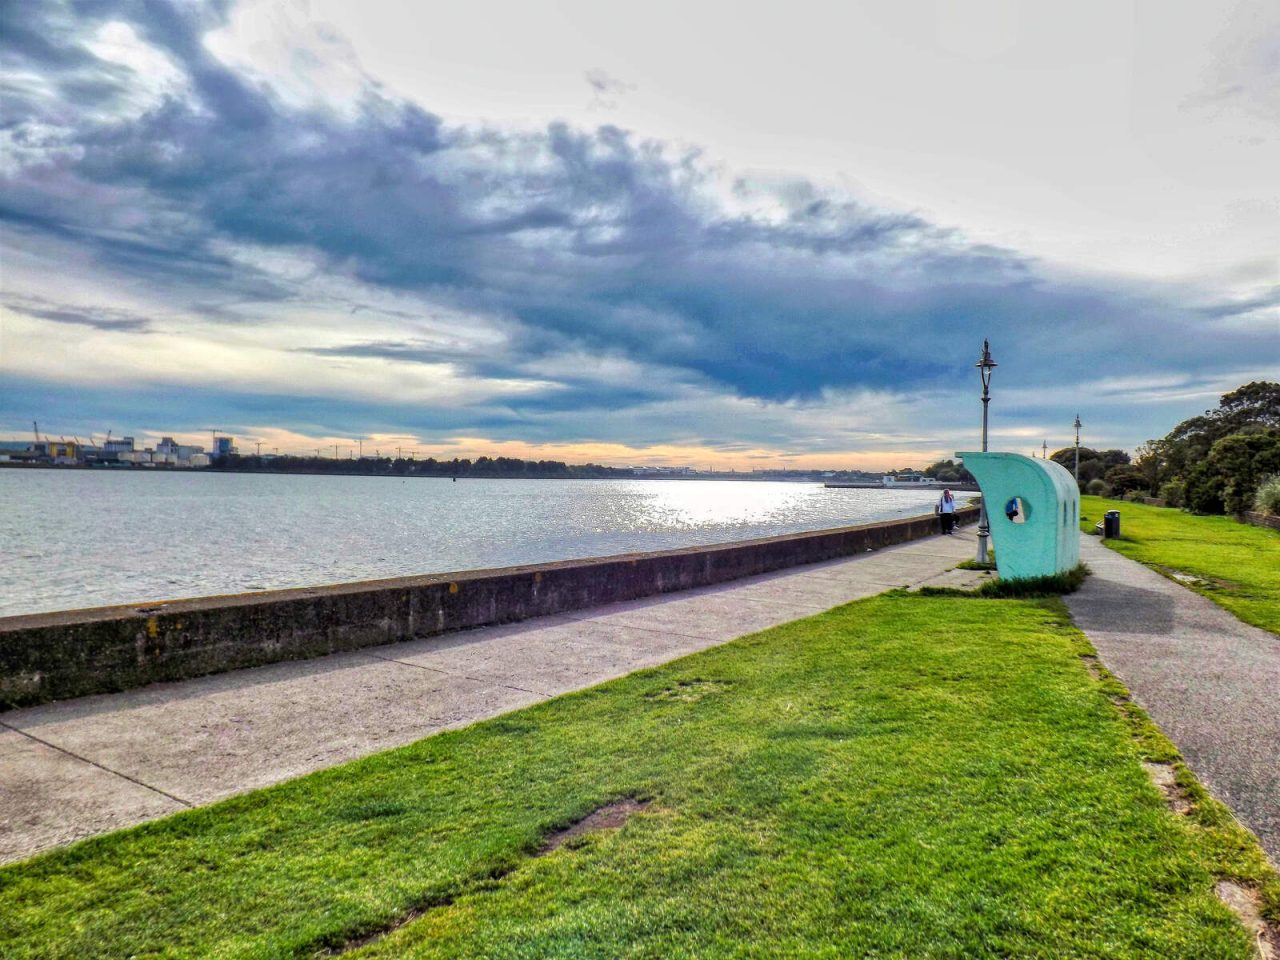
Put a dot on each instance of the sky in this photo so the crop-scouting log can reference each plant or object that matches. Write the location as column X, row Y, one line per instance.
column 719, row 234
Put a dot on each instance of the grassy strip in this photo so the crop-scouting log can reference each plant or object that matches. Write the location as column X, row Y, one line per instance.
column 1235, row 565
column 904, row 776
column 1226, row 847
column 1051, row 585
column 975, row 565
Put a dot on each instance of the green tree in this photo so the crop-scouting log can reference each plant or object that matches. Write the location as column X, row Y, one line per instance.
column 1094, row 464
column 1126, row 478
column 1254, row 406
column 1227, row 480
column 949, row 471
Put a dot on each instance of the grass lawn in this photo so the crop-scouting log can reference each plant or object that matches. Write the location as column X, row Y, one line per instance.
column 1233, row 564
column 904, row 776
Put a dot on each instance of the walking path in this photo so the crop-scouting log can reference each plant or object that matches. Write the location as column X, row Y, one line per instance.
column 81, row 767
column 1211, row 682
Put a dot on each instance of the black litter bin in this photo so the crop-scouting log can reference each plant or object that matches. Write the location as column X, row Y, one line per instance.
column 1111, row 524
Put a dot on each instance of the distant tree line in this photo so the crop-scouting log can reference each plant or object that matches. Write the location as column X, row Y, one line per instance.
column 487, row 467
column 1226, row 460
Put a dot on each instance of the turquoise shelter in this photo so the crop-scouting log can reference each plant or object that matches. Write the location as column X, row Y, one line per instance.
column 1040, row 538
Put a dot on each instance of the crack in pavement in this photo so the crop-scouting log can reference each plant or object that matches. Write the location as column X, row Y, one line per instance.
column 94, row 763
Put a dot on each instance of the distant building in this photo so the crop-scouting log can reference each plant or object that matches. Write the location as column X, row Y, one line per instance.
column 18, row 450
column 909, row 479
column 182, row 453
column 224, row 446
column 62, row 451
column 662, row 471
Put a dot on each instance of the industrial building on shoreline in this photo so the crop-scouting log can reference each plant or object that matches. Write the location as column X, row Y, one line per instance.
column 119, row 453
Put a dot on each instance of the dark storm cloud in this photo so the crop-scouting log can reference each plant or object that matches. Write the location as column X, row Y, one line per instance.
column 99, row 318
column 589, row 241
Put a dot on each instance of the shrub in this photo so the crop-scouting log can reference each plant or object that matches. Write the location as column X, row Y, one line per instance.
column 1267, row 499
column 1050, row 586
column 1174, row 493
column 1097, row 487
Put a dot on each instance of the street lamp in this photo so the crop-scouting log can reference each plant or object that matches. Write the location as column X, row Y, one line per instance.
column 985, row 365
column 1077, row 426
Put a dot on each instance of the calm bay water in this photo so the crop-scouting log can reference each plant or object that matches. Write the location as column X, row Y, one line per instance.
column 72, row 539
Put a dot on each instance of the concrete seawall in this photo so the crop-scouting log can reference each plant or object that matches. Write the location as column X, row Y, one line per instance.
column 56, row 656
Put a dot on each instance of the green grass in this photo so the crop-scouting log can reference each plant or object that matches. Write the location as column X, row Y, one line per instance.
column 975, row 565
column 1233, row 564
column 1049, row 585
column 905, row 776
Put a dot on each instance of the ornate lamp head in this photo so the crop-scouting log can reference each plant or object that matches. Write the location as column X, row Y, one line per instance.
column 985, row 364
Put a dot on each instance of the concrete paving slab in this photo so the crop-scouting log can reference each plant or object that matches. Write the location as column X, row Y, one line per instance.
column 48, row 798
column 472, row 653
column 820, row 593
column 232, row 738
column 957, row 579
column 716, row 617
column 519, row 659
column 574, row 664
column 901, row 565
column 1211, row 682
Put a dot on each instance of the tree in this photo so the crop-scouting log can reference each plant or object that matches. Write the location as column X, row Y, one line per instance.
column 1227, row 480
column 1253, row 407
column 949, row 471
column 1125, row 478
column 1094, row 464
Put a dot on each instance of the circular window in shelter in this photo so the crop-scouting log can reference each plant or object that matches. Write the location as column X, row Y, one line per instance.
column 1015, row 510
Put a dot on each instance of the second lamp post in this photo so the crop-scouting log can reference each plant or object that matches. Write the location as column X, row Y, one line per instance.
column 985, row 365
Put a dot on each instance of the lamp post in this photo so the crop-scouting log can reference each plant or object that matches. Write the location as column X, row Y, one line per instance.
column 985, row 365
column 1077, row 471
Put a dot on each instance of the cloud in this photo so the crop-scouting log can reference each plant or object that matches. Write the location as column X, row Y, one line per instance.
column 606, row 90
column 586, row 284
column 99, row 318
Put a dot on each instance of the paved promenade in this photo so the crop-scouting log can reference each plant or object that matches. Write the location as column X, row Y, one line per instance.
column 73, row 769
column 1211, row 682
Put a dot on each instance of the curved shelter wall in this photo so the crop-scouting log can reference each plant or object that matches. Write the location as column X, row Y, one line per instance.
column 1044, row 538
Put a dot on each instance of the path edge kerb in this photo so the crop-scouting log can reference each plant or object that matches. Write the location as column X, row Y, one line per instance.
column 57, row 656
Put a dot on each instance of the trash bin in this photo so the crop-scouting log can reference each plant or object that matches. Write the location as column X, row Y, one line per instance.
column 1111, row 524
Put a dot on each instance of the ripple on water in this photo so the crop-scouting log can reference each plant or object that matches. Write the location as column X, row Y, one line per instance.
column 86, row 538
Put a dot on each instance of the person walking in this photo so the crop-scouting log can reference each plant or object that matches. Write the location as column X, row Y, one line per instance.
column 947, row 511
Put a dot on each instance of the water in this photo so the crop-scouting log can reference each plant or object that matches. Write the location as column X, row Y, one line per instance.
column 71, row 539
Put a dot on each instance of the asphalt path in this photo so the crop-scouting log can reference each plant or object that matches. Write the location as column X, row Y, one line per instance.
column 1211, row 682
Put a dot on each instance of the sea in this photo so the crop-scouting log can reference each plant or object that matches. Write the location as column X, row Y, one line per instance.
column 83, row 538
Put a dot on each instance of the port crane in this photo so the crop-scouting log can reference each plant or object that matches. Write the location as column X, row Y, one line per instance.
column 214, row 431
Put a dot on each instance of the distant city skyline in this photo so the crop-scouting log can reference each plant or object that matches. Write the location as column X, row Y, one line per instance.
column 718, row 236
column 472, row 448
